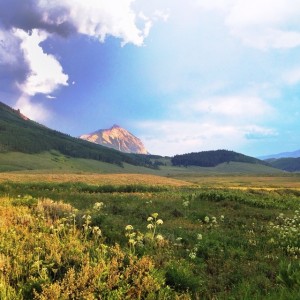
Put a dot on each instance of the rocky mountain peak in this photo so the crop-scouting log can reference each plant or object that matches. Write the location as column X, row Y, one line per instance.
column 117, row 138
column 115, row 126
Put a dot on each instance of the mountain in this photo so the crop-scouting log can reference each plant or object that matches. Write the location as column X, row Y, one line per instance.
column 19, row 134
column 117, row 138
column 294, row 154
column 213, row 158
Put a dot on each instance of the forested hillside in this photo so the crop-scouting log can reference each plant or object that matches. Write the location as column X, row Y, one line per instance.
column 19, row 134
column 287, row 164
column 213, row 158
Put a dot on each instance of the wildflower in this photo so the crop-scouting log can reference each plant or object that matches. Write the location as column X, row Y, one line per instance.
column 192, row 255
column 222, row 218
column 159, row 222
column 140, row 237
column 150, row 226
column 206, row 219
column 132, row 241
column 98, row 205
column 214, row 220
column 154, row 215
column 185, row 203
column 199, row 236
column 97, row 231
column 129, row 227
column 88, row 217
column 150, row 219
column 159, row 237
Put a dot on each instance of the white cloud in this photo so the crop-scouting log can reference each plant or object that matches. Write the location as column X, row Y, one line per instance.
column 234, row 107
column 223, row 5
column 260, row 24
column 50, row 97
column 9, row 48
column 177, row 137
column 46, row 73
column 161, row 15
column 28, row 27
column 100, row 18
column 34, row 111
column 255, row 132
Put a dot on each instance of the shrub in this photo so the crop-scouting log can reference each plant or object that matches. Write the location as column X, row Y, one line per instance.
column 180, row 277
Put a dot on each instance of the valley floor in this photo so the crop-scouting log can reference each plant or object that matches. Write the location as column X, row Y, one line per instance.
column 139, row 236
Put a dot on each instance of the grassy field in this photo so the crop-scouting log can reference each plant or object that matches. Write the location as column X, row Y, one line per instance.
column 279, row 181
column 96, row 179
column 55, row 162
column 133, row 236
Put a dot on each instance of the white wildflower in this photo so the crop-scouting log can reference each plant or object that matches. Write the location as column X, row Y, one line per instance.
column 159, row 237
column 129, row 227
column 150, row 226
column 199, row 236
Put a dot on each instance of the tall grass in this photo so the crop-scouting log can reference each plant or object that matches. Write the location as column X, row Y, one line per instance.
column 80, row 241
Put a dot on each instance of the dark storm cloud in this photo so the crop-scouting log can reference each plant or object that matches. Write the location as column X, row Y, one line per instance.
column 13, row 68
column 27, row 15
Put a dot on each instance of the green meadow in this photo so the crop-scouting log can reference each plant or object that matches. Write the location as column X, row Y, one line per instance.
column 54, row 161
column 69, row 236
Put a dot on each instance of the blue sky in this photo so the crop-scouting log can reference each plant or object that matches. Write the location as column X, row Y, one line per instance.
column 184, row 76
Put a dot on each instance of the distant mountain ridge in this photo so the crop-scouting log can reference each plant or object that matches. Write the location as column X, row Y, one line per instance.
column 293, row 154
column 290, row 164
column 117, row 138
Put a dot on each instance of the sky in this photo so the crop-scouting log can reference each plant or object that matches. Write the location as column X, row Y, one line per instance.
column 183, row 76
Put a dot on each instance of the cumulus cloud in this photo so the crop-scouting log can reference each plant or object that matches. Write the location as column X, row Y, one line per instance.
column 217, row 122
column 260, row 24
column 241, row 107
column 258, row 133
column 34, row 111
column 177, row 137
column 95, row 18
column 13, row 68
column 24, row 25
column 46, row 73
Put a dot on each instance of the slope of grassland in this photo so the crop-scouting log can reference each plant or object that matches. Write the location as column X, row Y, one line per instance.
column 54, row 161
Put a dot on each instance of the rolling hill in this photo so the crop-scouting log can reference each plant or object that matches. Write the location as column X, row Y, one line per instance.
column 214, row 158
column 289, row 164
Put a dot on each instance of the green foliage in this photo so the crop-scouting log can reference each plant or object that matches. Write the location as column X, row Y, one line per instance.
column 290, row 275
column 45, row 254
column 220, row 244
column 26, row 200
column 287, row 233
column 213, row 158
column 180, row 277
